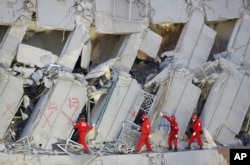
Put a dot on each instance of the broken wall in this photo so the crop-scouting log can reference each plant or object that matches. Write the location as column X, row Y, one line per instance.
column 128, row 51
column 227, row 104
column 121, row 16
column 73, row 47
column 13, row 12
column 221, row 10
column 180, row 99
column 55, row 113
column 61, row 14
column 171, row 12
column 30, row 55
column 239, row 43
column 10, row 43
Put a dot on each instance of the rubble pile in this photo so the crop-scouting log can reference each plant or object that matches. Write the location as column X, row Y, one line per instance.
column 113, row 60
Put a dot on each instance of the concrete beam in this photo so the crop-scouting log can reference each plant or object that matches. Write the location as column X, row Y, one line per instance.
column 73, row 47
column 9, row 45
column 30, row 55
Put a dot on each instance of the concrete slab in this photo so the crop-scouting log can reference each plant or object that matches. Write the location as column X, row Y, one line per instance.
column 181, row 99
column 30, row 55
column 195, row 42
column 61, row 14
column 85, row 55
column 187, row 158
column 169, row 11
column 73, row 47
column 239, row 43
column 221, row 10
column 40, row 159
column 128, row 51
column 54, row 115
column 10, row 43
column 203, row 47
column 149, row 47
column 12, row 11
column 112, row 110
column 227, row 103
column 189, row 37
column 106, row 17
column 195, row 158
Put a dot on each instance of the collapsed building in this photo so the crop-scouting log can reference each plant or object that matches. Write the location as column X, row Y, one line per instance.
column 112, row 60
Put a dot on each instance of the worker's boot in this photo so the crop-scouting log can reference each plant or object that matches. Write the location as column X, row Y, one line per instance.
column 175, row 149
column 201, row 148
column 170, row 148
column 188, row 147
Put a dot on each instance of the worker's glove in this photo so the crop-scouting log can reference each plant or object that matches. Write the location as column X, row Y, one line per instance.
column 176, row 136
column 161, row 114
column 93, row 125
column 149, row 136
column 194, row 133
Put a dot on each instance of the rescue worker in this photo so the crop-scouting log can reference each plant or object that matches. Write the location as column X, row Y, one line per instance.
column 197, row 129
column 145, row 134
column 83, row 127
column 173, row 134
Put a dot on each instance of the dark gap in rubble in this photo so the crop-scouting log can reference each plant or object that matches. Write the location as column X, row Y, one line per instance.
column 205, row 89
column 144, row 109
column 50, row 40
column 104, row 47
column 3, row 31
column 78, row 68
column 141, row 69
column 170, row 34
column 32, row 92
column 145, row 67
column 34, row 16
column 244, row 135
column 224, row 30
column 84, row 112
column 18, row 123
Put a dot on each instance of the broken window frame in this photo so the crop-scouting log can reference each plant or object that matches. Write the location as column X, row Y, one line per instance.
column 130, row 17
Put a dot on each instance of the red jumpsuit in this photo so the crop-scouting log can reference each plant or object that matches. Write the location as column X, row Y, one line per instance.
column 197, row 127
column 174, row 129
column 144, row 138
column 83, row 128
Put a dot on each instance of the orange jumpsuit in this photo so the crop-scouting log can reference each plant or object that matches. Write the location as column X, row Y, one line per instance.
column 174, row 129
column 197, row 128
column 83, row 128
column 144, row 138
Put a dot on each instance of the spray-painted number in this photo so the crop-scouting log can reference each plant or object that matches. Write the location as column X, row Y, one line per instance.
column 74, row 103
column 164, row 124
